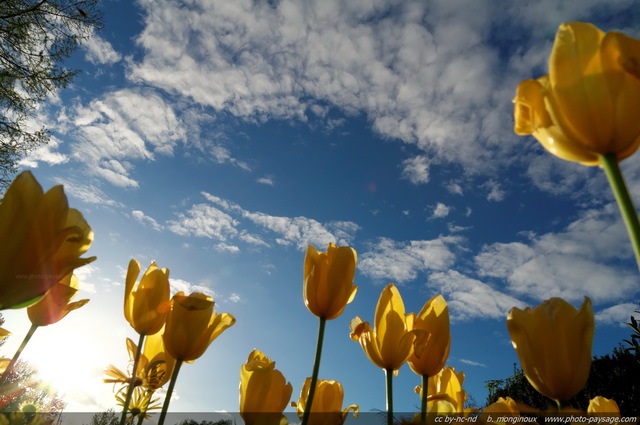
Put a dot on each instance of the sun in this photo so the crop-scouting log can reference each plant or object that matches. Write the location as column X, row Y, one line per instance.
column 73, row 365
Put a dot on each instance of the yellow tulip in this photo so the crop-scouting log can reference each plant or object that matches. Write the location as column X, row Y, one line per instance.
column 146, row 306
column 156, row 363
column 601, row 404
column 553, row 342
column 56, row 303
column 42, row 241
column 431, row 348
column 327, row 403
column 503, row 407
column 192, row 325
column 588, row 103
column 390, row 343
column 445, row 393
column 328, row 280
column 264, row 391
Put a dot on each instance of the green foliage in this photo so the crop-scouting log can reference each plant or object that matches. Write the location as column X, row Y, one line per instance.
column 634, row 342
column 615, row 376
column 105, row 418
column 35, row 37
column 194, row 422
column 518, row 388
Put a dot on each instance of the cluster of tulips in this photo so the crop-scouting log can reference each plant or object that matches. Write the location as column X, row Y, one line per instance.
column 582, row 111
column 553, row 340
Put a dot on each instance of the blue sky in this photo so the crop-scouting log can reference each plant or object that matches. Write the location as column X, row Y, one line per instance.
column 220, row 138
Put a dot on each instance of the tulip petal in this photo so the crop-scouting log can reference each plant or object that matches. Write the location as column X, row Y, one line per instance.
column 621, row 65
column 578, row 82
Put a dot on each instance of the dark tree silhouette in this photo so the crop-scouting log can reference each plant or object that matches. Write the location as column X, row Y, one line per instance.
column 35, row 37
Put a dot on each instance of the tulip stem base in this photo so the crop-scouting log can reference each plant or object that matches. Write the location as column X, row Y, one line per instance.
column 316, row 370
column 423, row 399
column 388, row 374
column 609, row 163
column 561, row 405
column 167, row 398
column 16, row 356
column 127, row 400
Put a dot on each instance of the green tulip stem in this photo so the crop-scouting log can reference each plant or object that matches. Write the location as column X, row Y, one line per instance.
column 423, row 399
column 16, row 356
column 167, row 398
column 561, row 404
column 132, row 385
column 314, row 375
column 141, row 416
column 388, row 373
column 609, row 163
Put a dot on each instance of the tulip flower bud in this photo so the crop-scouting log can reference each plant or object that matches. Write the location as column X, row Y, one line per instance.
column 433, row 338
column 390, row 343
column 42, row 241
column 158, row 364
column 328, row 280
column 445, row 389
column 587, row 105
column 264, row 391
column 503, row 407
column 327, row 403
column 192, row 325
column 553, row 342
column 603, row 405
column 146, row 306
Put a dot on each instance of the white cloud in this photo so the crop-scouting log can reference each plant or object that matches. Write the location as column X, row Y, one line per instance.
column 472, row 363
column 203, row 220
column 84, row 275
column 423, row 73
column 44, row 153
column 146, row 220
column 454, row 188
column 559, row 177
column 299, row 231
column 432, row 74
column 416, row 169
column 440, row 210
column 496, row 193
column 88, row 193
column 222, row 155
column 569, row 264
column 223, row 247
column 268, row 180
column 617, row 314
column 252, row 239
column 453, row 228
column 403, row 261
column 121, row 127
column 302, row 231
column 181, row 285
column 100, row 51
column 470, row 298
